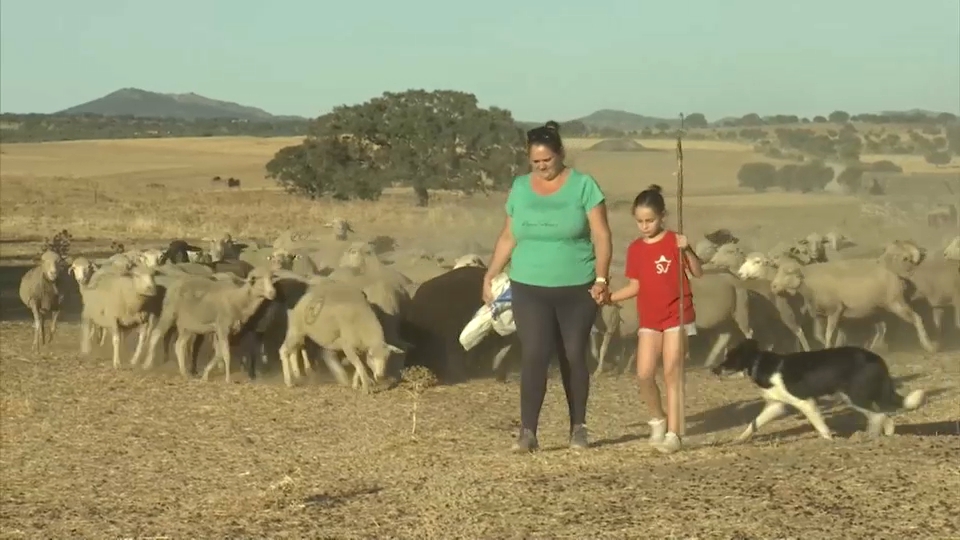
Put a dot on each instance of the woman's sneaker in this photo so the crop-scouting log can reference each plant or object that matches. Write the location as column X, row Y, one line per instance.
column 579, row 438
column 670, row 444
column 658, row 430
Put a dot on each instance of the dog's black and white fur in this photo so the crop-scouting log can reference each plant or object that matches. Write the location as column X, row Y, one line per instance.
column 860, row 377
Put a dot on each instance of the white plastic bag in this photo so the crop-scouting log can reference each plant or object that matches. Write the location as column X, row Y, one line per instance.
column 497, row 316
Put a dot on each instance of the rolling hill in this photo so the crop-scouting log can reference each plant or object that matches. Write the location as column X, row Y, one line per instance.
column 190, row 106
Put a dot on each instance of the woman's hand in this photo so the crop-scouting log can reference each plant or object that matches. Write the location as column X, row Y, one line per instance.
column 600, row 293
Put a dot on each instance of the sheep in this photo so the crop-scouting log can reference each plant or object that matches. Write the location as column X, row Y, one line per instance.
column 801, row 251
column 337, row 317
column 179, row 251
column 936, row 282
column 117, row 300
column 360, row 258
column 204, row 306
column 185, row 269
column 438, row 311
column 40, row 294
column 757, row 273
column 952, row 251
column 849, row 288
column 707, row 248
column 606, row 327
column 340, row 228
column 470, row 259
column 727, row 257
column 297, row 261
column 720, row 304
column 943, row 215
column 150, row 258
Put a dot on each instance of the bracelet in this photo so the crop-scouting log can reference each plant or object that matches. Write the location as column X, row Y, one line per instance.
column 602, row 280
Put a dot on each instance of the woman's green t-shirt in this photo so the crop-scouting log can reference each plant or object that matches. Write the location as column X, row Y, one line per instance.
column 552, row 232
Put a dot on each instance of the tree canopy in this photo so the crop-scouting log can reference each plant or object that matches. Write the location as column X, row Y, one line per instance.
column 420, row 139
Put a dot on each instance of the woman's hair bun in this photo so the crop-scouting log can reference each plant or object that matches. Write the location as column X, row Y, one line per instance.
column 654, row 187
column 552, row 126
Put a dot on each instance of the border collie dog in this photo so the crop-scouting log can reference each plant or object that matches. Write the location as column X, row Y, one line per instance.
column 860, row 377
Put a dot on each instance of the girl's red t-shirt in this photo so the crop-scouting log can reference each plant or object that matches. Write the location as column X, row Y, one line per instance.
column 655, row 266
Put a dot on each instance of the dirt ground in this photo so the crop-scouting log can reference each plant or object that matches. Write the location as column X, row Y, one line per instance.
column 87, row 451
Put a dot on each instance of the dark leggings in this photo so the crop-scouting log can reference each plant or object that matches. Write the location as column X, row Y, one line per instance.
column 553, row 321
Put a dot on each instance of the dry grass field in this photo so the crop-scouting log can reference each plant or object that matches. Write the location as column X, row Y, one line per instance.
column 92, row 452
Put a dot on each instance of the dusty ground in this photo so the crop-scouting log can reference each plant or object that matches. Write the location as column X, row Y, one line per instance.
column 90, row 452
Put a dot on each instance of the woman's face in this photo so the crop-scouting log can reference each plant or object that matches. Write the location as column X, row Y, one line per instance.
column 544, row 162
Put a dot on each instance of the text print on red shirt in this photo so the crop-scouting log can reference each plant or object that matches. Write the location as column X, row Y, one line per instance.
column 658, row 300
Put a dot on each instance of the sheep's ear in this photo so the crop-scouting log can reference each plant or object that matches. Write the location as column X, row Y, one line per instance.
column 395, row 350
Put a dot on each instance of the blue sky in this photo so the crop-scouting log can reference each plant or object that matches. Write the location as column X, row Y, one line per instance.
column 560, row 59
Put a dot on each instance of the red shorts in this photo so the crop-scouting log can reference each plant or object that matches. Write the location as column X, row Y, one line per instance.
column 668, row 319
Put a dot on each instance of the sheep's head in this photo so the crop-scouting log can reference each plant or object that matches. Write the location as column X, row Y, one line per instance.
column 82, row 270
column 721, row 237
column 705, row 250
column 144, row 280
column 728, row 256
column 378, row 357
column 756, row 266
column 907, row 249
column 260, row 281
column 281, row 259
column 471, row 259
column 359, row 256
column 837, row 240
column 814, row 239
column 788, row 279
column 151, row 258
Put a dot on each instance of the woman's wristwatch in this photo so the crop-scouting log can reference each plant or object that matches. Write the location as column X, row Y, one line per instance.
column 601, row 280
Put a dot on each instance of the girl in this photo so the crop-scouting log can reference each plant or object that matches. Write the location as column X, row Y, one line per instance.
column 652, row 269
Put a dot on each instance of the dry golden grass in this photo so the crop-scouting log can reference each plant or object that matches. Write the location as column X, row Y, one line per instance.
column 87, row 451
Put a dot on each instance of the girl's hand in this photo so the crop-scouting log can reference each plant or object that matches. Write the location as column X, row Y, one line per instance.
column 600, row 293
column 682, row 242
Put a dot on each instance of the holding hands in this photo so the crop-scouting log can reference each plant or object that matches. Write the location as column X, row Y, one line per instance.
column 600, row 292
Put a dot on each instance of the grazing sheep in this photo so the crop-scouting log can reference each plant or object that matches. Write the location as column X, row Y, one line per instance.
column 852, row 289
column 204, row 306
column 118, row 300
column 439, row 310
column 336, row 317
column 179, row 251
column 39, row 292
column 470, row 259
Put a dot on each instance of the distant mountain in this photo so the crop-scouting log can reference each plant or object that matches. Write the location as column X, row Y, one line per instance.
column 623, row 120
column 190, row 106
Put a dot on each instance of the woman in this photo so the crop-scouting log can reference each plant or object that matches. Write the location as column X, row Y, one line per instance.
column 557, row 240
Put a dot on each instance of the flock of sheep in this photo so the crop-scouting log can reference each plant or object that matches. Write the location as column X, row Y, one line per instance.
column 282, row 303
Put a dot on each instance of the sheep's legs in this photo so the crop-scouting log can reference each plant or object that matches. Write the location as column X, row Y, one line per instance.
column 116, row 336
column 902, row 310
column 833, row 319
column 223, row 354
column 802, row 337
column 143, row 334
column 86, row 334
column 937, row 313
column 879, row 335
column 333, row 364
column 718, row 346
column 180, row 350
column 354, row 358
column 604, row 347
column 498, row 361
column 54, row 315
column 37, row 328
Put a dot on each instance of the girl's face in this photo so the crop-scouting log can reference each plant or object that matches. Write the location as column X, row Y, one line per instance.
column 649, row 221
column 544, row 162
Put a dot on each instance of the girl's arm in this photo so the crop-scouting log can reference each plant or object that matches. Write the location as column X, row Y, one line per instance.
column 693, row 262
column 627, row 292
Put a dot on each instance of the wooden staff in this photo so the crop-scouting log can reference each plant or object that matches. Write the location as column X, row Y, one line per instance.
column 682, row 421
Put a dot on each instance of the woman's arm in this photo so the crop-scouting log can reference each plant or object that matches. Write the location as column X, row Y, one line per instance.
column 502, row 250
column 602, row 239
column 693, row 262
column 627, row 292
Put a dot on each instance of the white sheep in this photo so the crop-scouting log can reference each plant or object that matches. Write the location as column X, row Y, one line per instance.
column 39, row 292
column 854, row 289
column 360, row 258
column 116, row 300
column 721, row 305
column 337, row 317
column 299, row 261
column 149, row 258
column 757, row 273
column 952, row 251
column 340, row 228
column 198, row 305
column 83, row 271
column 605, row 328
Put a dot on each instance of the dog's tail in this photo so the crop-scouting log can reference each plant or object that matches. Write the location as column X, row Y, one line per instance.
column 891, row 399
